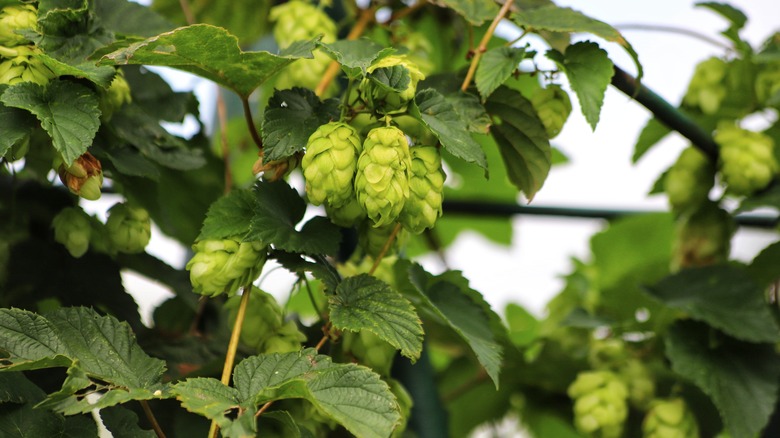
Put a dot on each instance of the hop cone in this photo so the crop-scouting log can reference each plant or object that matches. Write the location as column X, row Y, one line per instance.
column 17, row 18
column 129, row 228
column 348, row 215
column 224, row 265
column 382, row 181
column 264, row 327
column 21, row 65
column 426, row 184
column 385, row 100
column 670, row 419
column 117, row 94
column 689, row 180
column 372, row 239
column 768, row 85
column 370, row 350
column 600, row 407
column 72, row 229
column 703, row 237
column 747, row 161
column 640, row 382
column 299, row 20
column 707, row 89
column 84, row 177
column 330, row 162
column 553, row 107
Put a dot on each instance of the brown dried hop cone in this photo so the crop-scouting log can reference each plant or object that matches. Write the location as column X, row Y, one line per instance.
column 426, row 184
column 382, row 181
column 84, row 177
column 330, row 162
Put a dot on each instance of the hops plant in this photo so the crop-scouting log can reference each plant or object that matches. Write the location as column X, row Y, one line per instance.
column 600, row 407
column 223, row 265
column 747, row 160
column 383, row 99
column 129, row 228
column 19, row 64
column 72, row 228
column 13, row 20
column 330, row 162
column 707, row 89
column 426, row 185
column 670, row 419
column 703, row 237
column 553, row 106
column 84, row 177
column 689, row 180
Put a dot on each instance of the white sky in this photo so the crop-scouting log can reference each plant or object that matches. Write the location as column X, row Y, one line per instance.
column 600, row 173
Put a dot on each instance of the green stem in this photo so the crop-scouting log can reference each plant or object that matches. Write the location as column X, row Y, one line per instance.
column 385, row 248
column 311, row 297
column 482, row 48
column 250, row 123
column 345, row 101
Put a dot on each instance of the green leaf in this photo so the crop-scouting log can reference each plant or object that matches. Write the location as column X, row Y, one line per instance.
column 395, row 78
column 741, row 378
column 763, row 268
column 558, row 19
column 521, row 138
column 94, row 347
column 352, row 395
column 231, row 215
column 475, row 11
column 651, row 134
column 725, row 297
column 366, row 303
column 355, row 56
column 495, row 67
column 278, row 209
column 589, row 70
column 440, row 116
column 523, row 326
column 470, row 111
column 127, row 160
column 737, row 18
column 290, row 118
column 101, row 76
column 67, row 111
column 469, row 319
column 210, row 52
column 15, row 124
column 321, row 269
column 208, row 397
column 123, row 423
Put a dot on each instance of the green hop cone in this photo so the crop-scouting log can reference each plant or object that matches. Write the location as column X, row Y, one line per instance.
column 553, row 106
column 348, row 215
column 128, row 228
column 600, row 407
column 384, row 270
column 264, row 327
column 329, row 164
column 222, row 266
column 426, row 186
column 707, row 89
column 72, row 228
column 286, row 339
column 670, row 419
column 383, row 170
column 113, row 98
column 383, row 99
column 747, row 161
column 607, row 354
column 372, row 239
column 299, row 20
column 22, row 65
column 768, row 84
column 689, row 180
column 640, row 382
column 703, row 237
column 13, row 20
column 306, row 73
column 370, row 350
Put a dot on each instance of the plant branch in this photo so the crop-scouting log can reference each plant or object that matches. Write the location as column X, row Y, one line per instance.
column 385, row 248
column 666, row 113
column 482, row 48
column 150, row 416
column 250, row 123
column 366, row 17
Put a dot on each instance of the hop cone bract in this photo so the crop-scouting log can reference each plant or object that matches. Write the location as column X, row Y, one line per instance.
column 17, row 18
column 222, row 266
column 553, row 106
column 330, row 162
column 747, row 161
column 426, row 184
column 382, row 180
column 670, row 419
column 600, row 407
column 21, row 65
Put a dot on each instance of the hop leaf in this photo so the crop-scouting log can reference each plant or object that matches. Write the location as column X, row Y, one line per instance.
column 600, row 407
column 426, row 185
column 707, row 89
column 553, row 106
column 670, row 418
column 222, row 266
column 17, row 18
column 72, row 228
column 128, row 228
column 330, row 162
column 384, row 99
column 382, row 181
column 689, row 180
column 747, row 161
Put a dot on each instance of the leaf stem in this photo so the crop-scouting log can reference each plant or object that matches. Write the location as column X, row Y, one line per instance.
column 150, row 416
column 250, row 123
column 311, row 297
column 385, row 248
column 482, row 48
column 223, row 140
column 366, row 17
column 235, row 335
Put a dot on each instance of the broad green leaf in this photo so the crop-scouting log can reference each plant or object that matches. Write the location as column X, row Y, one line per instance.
column 475, row 11
column 763, row 268
column 725, row 297
column 590, row 71
column 15, row 124
column 395, row 78
column 737, row 18
column 16, row 388
column 495, row 67
column 99, row 350
column 450, row 302
column 470, row 110
column 523, row 326
column 651, row 134
column 321, row 269
column 208, row 397
column 741, row 378
column 521, row 138
column 355, row 56
column 210, row 52
column 290, row 118
column 130, row 18
column 127, row 160
column 67, row 111
column 278, row 209
column 230, row 216
column 101, row 76
column 558, row 19
column 123, row 423
column 352, row 395
column 440, row 116
column 68, row 30
column 249, row 25
column 366, row 303
column 287, row 422
column 154, row 95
